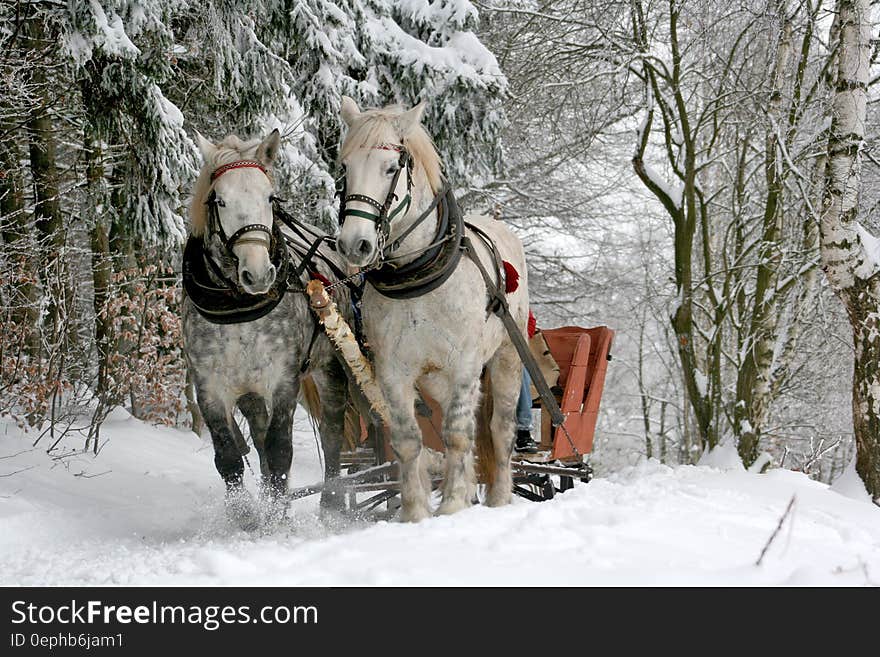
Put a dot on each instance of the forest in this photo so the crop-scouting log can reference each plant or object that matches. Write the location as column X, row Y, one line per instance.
column 702, row 177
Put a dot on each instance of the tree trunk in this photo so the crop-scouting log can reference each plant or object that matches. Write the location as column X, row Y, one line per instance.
column 14, row 218
column 47, row 206
column 754, row 389
column 684, row 213
column 849, row 254
column 102, row 268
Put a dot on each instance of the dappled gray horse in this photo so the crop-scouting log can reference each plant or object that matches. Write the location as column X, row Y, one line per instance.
column 248, row 338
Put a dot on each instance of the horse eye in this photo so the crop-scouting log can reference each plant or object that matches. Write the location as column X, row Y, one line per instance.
column 220, row 202
column 391, row 171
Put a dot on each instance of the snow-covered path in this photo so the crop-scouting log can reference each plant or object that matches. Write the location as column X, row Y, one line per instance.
column 148, row 511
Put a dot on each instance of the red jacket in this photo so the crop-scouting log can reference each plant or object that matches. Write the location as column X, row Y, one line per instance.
column 533, row 324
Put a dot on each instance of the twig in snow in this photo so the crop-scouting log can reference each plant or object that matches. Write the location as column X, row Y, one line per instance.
column 776, row 531
column 10, row 456
column 84, row 475
column 9, row 474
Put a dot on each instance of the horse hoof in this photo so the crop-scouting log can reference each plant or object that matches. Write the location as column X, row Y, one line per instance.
column 275, row 509
column 332, row 501
column 500, row 499
column 242, row 510
column 448, row 507
column 414, row 514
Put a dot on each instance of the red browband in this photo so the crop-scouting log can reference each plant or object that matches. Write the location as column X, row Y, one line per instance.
column 390, row 147
column 240, row 164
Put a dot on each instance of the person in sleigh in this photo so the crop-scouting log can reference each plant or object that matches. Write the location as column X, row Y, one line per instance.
column 525, row 444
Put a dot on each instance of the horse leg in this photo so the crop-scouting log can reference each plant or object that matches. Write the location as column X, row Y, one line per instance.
column 406, row 443
column 227, row 459
column 333, row 386
column 279, row 438
column 254, row 410
column 505, row 372
column 459, row 423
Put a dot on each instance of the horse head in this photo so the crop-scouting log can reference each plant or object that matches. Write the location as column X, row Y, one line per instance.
column 390, row 164
column 236, row 216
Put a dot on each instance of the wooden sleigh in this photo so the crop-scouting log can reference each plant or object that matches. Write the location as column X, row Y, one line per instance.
column 582, row 355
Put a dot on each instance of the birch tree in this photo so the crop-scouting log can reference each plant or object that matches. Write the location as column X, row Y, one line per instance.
column 850, row 255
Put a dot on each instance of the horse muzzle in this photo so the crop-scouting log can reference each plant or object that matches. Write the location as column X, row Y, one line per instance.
column 255, row 282
column 358, row 251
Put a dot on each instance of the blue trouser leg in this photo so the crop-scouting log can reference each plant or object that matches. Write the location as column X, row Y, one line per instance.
column 524, row 405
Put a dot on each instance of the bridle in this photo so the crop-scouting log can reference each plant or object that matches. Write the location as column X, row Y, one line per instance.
column 384, row 215
column 241, row 236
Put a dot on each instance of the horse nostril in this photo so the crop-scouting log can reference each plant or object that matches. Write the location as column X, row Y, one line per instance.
column 246, row 277
column 364, row 247
column 270, row 275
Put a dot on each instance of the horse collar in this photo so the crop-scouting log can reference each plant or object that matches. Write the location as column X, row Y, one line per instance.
column 432, row 268
column 219, row 299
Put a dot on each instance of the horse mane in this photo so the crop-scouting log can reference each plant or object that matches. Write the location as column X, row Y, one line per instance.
column 229, row 150
column 376, row 127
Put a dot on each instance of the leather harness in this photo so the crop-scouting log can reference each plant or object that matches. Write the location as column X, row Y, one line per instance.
column 436, row 263
column 219, row 298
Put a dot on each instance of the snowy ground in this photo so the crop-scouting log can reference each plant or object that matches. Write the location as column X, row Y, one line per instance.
column 148, row 511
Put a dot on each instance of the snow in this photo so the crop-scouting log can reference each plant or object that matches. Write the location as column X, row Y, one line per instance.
column 673, row 192
column 438, row 14
column 110, row 37
column 723, row 457
column 702, row 382
column 871, row 250
column 850, row 484
column 463, row 55
column 147, row 511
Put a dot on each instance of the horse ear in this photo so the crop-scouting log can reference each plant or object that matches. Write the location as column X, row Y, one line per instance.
column 405, row 123
column 349, row 110
column 206, row 147
column 268, row 150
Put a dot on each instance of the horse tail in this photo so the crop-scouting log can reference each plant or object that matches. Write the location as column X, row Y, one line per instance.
column 486, row 462
column 310, row 398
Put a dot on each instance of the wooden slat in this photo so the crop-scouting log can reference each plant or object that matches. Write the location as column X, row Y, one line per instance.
column 572, row 402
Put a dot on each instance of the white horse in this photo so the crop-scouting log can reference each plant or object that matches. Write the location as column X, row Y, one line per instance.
column 440, row 340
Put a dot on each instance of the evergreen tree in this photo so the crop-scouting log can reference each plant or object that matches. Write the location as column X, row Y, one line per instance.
column 400, row 51
column 115, row 90
column 119, row 52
